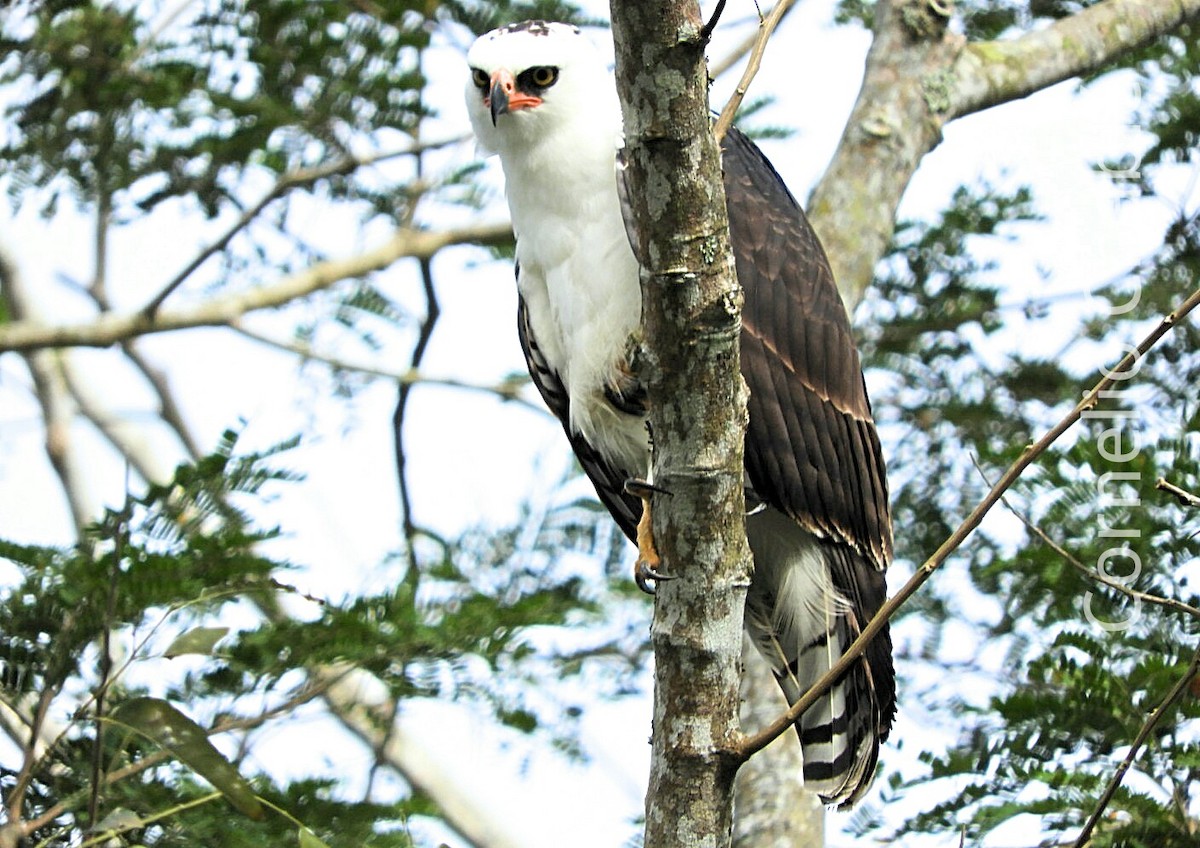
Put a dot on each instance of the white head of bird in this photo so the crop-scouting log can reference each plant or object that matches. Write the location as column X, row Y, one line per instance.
column 537, row 83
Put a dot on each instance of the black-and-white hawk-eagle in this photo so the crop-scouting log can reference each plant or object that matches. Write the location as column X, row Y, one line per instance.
column 541, row 96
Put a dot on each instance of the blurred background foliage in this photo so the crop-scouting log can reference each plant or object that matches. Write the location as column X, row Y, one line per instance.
column 115, row 111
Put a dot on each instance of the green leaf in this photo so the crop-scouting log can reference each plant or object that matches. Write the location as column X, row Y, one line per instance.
column 188, row 741
column 119, row 820
column 198, row 640
column 309, row 840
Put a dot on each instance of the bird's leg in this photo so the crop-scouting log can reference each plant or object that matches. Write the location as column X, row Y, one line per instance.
column 648, row 561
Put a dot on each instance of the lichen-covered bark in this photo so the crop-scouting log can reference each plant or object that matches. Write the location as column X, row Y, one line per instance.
column 990, row 73
column 919, row 76
column 895, row 122
column 691, row 316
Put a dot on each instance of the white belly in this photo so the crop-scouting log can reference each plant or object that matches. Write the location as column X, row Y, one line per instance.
column 584, row 300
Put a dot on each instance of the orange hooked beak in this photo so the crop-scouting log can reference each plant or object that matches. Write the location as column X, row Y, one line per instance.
column 506, row 97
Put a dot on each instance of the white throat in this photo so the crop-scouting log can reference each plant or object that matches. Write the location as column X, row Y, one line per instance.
column 578, row 275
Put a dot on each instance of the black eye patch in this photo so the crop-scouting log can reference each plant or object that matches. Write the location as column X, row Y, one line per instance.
column 537, row 78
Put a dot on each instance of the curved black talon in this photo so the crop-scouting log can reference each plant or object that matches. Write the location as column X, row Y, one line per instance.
column 643, row 488
column 643, row 573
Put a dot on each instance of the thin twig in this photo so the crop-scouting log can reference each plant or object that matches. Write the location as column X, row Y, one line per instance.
column 506, row 390
column 1096, row 574
column 752, row 744
column 168, row 407
column 432, row 312
column 1155, row 717
column 106, row 664
column 287, row 182
column 765, row 28
column 721, row 66
column 308, row 692
column 707, row 30
column 111, row 328
column 122, row 434
column 1184, row 497
column 16, row 800
column 105, row 837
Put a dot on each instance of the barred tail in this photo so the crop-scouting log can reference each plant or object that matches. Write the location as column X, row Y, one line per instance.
column 806, row 604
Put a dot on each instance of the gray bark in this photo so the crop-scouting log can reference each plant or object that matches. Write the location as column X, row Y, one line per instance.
column 692, row 320
column 919, row 76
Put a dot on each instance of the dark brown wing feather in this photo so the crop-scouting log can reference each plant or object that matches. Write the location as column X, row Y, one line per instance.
column 609, row 481
column 811, row 448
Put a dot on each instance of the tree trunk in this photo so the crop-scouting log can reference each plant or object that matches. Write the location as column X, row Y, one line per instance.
column 920, row 75
column 770, row 805
column 691, row 313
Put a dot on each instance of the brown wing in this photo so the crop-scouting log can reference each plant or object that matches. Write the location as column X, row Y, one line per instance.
column 811, row 448
column 609, row 481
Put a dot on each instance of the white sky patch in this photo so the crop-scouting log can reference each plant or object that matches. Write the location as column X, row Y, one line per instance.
column 472, row 457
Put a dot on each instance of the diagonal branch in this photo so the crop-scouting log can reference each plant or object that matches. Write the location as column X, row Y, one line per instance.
column 54, row 398
column 993, row 72
column 722, row 65
column 359, row 700
column 111, row 328
column 1177, row 691
column 920, row 75
column 766, row 27
column 751, row 745
column 508, row 389
column 1184, row 497
column 1098, row 576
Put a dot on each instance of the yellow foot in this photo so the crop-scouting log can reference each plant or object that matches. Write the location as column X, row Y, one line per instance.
column 646, row 568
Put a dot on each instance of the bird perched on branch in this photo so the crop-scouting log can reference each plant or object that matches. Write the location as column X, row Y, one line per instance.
column 541, row 97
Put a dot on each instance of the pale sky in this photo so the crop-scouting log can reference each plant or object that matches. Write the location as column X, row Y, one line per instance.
column 472, row 457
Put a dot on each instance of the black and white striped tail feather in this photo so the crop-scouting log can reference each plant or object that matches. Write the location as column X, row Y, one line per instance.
column 837, row 734
column 801, row 625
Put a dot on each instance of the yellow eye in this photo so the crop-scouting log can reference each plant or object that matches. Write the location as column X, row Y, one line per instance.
column 543, row 76
column 480, row 78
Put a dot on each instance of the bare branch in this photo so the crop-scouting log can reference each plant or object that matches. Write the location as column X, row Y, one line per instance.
column 766, row 26
column 891, row 128
column 994, row 72
column 758, row 741
column 507, row 390
column 1152, row 721
column 226, row 724
column 920, row 75
column 16, row 798
column 58, row 412
column 1096, row 574
column 287, row 182
column 433, row 311
column 722, row 65
column 1184, row 497
column 110, row 328
column 127, row 438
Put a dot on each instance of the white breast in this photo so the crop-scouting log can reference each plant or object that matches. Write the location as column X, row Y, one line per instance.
column 580, row 283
